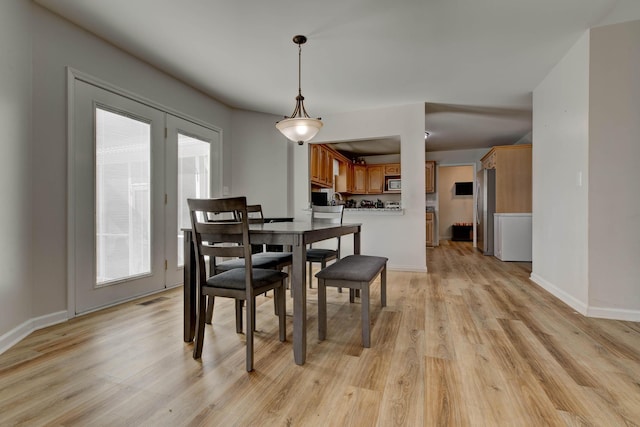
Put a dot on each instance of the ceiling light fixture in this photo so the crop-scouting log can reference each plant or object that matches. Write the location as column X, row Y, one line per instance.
column 299, row 127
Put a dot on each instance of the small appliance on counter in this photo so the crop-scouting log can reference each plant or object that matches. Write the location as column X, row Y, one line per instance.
column 379, row 204
column 350, row 203
column 367, row 204
column 392, row 205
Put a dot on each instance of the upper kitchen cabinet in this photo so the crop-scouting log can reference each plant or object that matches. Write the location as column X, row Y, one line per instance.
column 512, row 164
column 344, row 180
column 321, row 166
column 429, row 176
column 359, row 179
column 375, row 179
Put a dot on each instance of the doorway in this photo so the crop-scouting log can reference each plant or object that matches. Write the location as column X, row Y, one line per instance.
column 132, row 167
column 455, row 207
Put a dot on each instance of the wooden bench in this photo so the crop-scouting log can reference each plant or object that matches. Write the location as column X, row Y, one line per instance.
column 355, row 272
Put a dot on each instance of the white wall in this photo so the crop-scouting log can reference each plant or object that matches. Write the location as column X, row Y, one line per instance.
column 261, row 160
column 401, row 238
column 57, row 44
column 455, row 157
column 614, row 171
column 560, row 156
column 15, row 170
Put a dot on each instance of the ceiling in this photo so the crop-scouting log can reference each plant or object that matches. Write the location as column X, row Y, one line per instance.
column 474, row 63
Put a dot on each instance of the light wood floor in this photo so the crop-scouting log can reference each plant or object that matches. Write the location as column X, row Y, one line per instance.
column 471, row 343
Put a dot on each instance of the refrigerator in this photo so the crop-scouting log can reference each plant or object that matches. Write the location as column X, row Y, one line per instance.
column 485, row 208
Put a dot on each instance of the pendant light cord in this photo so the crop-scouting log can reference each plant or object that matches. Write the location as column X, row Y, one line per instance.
column 299, row 69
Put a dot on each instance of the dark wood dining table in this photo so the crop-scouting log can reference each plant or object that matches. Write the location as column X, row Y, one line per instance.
column 297, row 235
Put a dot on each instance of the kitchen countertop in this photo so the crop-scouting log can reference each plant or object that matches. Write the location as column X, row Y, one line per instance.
column 390, row 211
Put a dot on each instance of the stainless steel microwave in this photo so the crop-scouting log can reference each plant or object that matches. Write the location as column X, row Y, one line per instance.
column 394, row 184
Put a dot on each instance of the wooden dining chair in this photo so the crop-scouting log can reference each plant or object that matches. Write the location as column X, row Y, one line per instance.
column 230, row 239
column 283, row 258
column 326, row 215
column 261, row 258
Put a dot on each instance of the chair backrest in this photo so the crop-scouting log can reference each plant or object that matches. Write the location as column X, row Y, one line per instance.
column 255, row 215
column 328, row 215
column 224, row 237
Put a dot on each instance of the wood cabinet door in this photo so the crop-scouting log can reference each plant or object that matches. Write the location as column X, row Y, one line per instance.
column 315, row 162
column 359, row 179
column 375, row 179
column 392, row 169
column 429, row 229
column 328, row 168
column 430, row 177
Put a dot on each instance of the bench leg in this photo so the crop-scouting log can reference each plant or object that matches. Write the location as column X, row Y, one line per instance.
column 239, row 304
column 383, row 286
column 322, row 310
column 366, row 321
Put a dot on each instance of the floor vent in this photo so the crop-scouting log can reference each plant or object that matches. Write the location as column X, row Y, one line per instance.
column 153, row 301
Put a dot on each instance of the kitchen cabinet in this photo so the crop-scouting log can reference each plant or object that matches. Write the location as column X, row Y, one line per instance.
column 359, row 179
column 512, row 164
column 375, row 179
column 430, row 176
column 429, row 229
column 344, row 180
column 392, row 169
column 321, row 166
column 314, row 164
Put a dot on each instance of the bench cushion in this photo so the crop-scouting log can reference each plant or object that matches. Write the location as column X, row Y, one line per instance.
column 356, row 268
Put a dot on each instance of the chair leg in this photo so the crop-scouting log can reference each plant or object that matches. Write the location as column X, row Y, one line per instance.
column 310, row 275
column 322, row 310
column 210, row 301
column 239, row 304
column 281, row 296
column 199, row 336
column 352, row 295
column 366, row 321
column 251, row 302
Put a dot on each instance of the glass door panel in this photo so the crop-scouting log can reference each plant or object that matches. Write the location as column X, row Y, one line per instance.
column 194, row 180
column 123, row 210
column 193, row 171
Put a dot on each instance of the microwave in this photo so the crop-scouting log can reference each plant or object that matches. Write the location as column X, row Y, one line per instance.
column 394, row 184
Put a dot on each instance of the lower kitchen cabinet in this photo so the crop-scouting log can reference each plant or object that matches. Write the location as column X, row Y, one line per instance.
column 430, row 228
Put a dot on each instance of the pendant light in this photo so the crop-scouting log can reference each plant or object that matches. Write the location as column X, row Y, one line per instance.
column 299, row 127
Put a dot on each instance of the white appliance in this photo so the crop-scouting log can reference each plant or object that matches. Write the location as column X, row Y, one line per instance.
column 485, row 208
column 512, row 240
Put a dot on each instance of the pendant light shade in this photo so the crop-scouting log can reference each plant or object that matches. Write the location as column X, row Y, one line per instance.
column 299, row 127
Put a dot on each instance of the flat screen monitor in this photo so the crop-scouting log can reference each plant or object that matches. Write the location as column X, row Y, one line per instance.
column 464, row 188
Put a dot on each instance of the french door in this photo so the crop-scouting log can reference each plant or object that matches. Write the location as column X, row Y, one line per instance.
column 134, row 166
column 193, row 153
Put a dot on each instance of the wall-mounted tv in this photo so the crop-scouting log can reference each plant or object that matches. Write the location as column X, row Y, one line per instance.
column 464, row 188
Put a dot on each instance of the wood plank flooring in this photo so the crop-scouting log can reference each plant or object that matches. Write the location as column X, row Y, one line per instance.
column 471, row 343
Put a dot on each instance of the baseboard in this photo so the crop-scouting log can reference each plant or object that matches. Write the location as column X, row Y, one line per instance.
column 614, row 313
column 568, row 299
column 409, row 268
column 15, row 335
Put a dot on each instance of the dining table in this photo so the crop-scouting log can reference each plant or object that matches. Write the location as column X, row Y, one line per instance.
column 297, row 235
